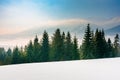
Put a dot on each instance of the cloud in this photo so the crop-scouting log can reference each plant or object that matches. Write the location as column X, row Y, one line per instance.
column 107, row 23
column 67, row 22
column 21, row 16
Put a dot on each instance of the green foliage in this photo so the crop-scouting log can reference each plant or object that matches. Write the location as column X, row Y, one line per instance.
column 116, row 45
column 16, row 56
column 44, row 55
column 57, row 45
column 87, row 51
column 36, row 50
column 100, row 44
column 68, row 48
column 110, row 49
column 62, row 47
column 30, row 52
column 76, row 55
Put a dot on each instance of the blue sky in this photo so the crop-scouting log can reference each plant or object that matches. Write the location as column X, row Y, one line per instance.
column 82, row 8
column 50, row 10
column 19, row 15
column 60, row 9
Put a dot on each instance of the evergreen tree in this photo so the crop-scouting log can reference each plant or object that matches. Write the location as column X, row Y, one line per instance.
column 116, row 45
column 86, row 46
column 57, row 45
column 23, row 56
column 36, row 50
column 110, row 52
column 2, row 55
column 104, row 45
column 63, row 46
column 100, row 44
column 9, row 52
column 8, row 57
column 16, row 56
column 68, row 48
column 30, row 53
column 45, row 48
column 92, row 46
column 76, row 55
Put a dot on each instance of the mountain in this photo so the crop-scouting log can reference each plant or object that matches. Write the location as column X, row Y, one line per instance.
column 22, row 38
column 113, row 30
column 96, row 69
column 77, row 30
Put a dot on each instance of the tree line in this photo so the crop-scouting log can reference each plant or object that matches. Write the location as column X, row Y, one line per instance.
column 62, row 47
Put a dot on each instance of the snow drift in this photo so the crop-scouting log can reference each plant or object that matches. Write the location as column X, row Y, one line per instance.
column 100, row 69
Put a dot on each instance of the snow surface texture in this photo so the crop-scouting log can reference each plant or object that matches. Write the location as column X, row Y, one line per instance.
column 101, row 69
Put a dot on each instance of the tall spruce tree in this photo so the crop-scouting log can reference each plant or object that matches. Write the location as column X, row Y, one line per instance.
column 30, row 52
column 86, row 45
column 8, row 57
column 44, row 55
column 93, row 44
column 100, row 44
column 76, row 55
column 116, row 45
column 63, row 46
column 110, row 52
column 104, row 46
column 57, row 45
column 36, row 49
column 16, row 56
column 2, row 55
column 68, row 48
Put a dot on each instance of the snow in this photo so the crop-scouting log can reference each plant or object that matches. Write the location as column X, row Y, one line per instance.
column 100, row 69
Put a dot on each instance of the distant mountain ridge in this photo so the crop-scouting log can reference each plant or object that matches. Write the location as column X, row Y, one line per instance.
column 113, row 30
column 77, row 30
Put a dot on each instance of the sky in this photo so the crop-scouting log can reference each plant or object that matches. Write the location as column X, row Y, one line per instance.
column 20, row 15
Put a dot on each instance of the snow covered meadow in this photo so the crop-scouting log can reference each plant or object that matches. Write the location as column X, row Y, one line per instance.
column 100, row 69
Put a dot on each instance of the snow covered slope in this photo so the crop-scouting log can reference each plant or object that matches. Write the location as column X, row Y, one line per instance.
column 101, row 69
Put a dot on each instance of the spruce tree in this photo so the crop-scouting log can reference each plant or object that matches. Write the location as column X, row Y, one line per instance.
column 100, row 44
column 63, row 46
column 86, row 45
column 68, row 48
column 92, row 46
column 76, row 55
column 30, row 53
column 36, row 49
column 104, row 45
column 110, row 52
column 16, row 56
column 116, row 45
column 2, row 55
column 9, row 52
column 44, row 55
column 8, row 57
column 57, row 45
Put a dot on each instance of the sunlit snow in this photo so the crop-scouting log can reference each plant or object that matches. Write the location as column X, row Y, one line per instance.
column 101, row 69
